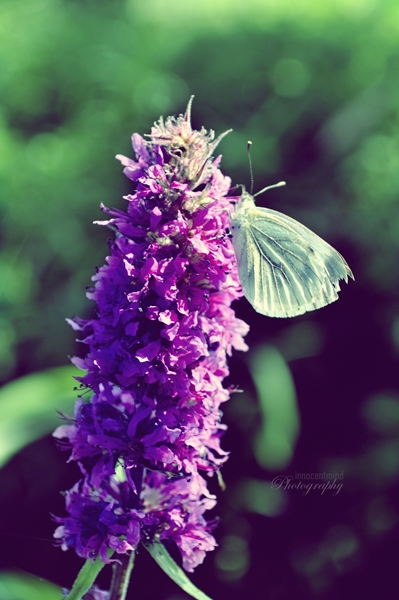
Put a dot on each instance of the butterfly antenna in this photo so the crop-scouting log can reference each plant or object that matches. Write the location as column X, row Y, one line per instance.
column 249, row 144
column 270, row 187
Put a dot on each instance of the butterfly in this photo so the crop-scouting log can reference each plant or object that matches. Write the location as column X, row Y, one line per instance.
column 285, row 269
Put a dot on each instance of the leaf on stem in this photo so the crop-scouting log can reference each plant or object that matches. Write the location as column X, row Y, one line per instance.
column 85, row 579
column 168, row 565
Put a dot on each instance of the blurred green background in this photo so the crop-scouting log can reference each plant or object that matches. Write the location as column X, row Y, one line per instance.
column 315, row 86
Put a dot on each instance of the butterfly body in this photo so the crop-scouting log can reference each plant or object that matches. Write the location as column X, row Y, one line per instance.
column 285, row 269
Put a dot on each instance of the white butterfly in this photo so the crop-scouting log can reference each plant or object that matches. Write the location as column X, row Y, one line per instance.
column 285, row 269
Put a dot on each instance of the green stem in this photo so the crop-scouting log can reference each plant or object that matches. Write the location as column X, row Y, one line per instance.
column 121, row 576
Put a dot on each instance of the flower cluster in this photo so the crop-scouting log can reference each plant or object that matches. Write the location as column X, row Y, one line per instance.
column 93, row 594
column 149, row 423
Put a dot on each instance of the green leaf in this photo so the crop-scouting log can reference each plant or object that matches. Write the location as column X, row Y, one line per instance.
column 25, row 587
column 87, row 576
column 275, row 440
column 167, row 564
column 28, row 407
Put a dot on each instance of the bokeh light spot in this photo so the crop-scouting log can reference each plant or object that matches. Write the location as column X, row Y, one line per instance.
column 290, row 77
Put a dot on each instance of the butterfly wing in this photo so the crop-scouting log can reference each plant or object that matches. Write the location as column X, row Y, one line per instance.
column 285, row 269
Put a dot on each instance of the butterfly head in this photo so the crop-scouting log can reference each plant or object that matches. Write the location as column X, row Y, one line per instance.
column 247, row 200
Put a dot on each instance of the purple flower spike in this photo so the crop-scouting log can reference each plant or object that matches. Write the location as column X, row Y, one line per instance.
column 156, row 355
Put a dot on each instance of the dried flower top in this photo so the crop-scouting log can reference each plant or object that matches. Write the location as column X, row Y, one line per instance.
column 183, row 153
